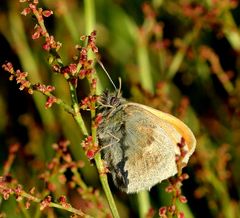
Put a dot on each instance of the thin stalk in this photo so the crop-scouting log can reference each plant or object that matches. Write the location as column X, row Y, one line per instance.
column 24, row 210
column 90, row 25
column 19, row 42
column 105, row 185
column 144, row 66
column 77, row 115
column 90, row 20
column 55, row 205
column 144, row 203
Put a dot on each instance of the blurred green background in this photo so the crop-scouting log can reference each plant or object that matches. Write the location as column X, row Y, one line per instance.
column 181, row 57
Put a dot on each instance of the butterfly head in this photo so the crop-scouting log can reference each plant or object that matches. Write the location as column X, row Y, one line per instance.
column 111, row 99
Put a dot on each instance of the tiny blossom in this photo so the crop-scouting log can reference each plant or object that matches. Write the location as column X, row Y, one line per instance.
column 89, row 147
column 162, row 211
column 70, row 70
column 50, row 101
column 18, row 191
column 6, row 193
column 83, row 56
column 180, row 215
column 45, row 203
column 172, row 208
column 63, row 201
column 184, row 176
column 90, row 153
column 26, row 11
column 27, row 204
column 169, row 189
column 87, row 103
column 150, row 213
column 37, row 33
column 32, row 190
column 50, row 43
column 63, row 145
column 88, row 141
column 56, row 68
column 8, row 67
column 182, row 199
column 82, row 73
column 47, row 13
column 98, row 120
column 43, row 88
column 94, row 83
column 20, row 76
column 92, row 41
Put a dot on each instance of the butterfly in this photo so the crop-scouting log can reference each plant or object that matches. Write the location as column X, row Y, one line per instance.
column 139, row 143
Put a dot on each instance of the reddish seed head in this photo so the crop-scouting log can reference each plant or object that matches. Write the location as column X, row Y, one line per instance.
column 90, row 154
column 180, row 215
column 172, row 208
column 50, row 101
column 47, row 13
column 182, row 199
column 63, row 201
column 162, row 211
column 26, row 11
column 98, row 119
column 27, row 204
column 169, row 189
column 45, row 203
column 8, row 67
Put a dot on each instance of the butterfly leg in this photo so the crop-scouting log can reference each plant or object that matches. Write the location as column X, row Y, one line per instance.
column 110, row 144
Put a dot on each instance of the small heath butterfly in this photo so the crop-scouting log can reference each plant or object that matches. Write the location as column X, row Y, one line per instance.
column 139, row 143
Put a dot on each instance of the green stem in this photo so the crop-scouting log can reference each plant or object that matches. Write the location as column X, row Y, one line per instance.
column 77, row 114
column 105, row 185
column 144, row 203
column 24, row 210
column 90, row 25
column 179, row 56
column 144, row 65
column 89, row 10
column 98, row 160
column 55, row 205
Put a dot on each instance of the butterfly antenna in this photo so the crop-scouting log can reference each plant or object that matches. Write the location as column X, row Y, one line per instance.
column 104, row 69
column 120, row 87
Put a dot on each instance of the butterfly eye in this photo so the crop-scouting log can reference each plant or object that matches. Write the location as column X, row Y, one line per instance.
column 114, row 101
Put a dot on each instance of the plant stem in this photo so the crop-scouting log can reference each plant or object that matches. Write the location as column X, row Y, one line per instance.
column 144, row 65
column 52, row 204
column 105, row 185
column 89, row 10
column 77, row 114
column 143, row 203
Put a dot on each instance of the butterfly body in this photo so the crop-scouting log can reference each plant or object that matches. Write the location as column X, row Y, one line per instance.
column 139, row 143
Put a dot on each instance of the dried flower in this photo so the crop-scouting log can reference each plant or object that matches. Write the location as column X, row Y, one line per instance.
column 45, row 203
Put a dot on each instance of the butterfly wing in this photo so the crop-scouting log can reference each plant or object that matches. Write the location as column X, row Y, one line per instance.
column 144, row 155
column 181, row 128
